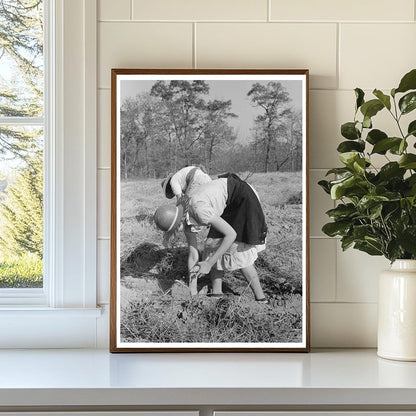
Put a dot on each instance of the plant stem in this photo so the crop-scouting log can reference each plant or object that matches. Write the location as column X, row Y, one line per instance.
column 397, row 118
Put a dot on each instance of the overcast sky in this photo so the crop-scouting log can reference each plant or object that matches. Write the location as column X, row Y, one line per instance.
column 234, row 90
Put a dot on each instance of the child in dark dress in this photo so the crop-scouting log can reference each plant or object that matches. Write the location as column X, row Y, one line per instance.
column 232, row 210
column 231, row 207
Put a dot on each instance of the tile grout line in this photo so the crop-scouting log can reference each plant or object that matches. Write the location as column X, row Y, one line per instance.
column 269, row 11
column 307, row 22
column 322, row 237
column 131, row 9
column 344, row 303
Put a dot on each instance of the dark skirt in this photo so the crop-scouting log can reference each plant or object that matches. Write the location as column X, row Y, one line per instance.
column 243, row 212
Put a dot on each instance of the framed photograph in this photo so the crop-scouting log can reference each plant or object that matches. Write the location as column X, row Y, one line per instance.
column 209, row 211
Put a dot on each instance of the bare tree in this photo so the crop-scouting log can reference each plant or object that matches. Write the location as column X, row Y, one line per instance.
column 272, row 99
column 288, row 148
column 185, row 107
column 217, row 131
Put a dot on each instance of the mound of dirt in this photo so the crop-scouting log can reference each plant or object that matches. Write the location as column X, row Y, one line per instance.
column 295, row 199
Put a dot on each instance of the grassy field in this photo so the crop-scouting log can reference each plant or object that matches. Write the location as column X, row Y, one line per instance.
column 21, row 271
column 155, row 301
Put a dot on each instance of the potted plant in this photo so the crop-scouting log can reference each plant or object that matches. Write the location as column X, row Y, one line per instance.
column 376, row 209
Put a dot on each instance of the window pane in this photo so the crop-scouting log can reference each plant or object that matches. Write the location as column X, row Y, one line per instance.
column 21, row 207
column 21, row 58
column 21, row 147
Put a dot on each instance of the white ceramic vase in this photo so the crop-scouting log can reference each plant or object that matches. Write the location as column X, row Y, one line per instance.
column 397, row 312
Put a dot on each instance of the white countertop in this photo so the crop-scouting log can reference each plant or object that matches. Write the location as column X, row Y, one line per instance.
column 96, row 377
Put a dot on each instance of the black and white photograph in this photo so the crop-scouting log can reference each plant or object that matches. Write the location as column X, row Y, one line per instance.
column 209, row 231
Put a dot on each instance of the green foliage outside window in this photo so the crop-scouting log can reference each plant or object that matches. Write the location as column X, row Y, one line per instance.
column 21, row 146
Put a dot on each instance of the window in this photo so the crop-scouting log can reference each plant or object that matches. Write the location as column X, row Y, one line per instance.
column 63, row 313
column 22, row 132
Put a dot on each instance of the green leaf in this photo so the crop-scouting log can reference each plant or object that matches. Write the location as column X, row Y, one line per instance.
column 383, row 145
column 349, row 131
column 402, row 147
column 338, row 171
column 408, row 161
column 325, row 186
column 375, row 136
column 408, row 82
column 361, row 231
column 348, row 158
column 367, row 122
column 412, row 201
column 413, row 210
column 338, row 188
column 368, row 201
column 350, row 187
column 374, row 242
column 349, row 146
column 336, row 228
column 391, row 170
column 346, row 242
column 398, row 149
column 368, row 248
column 407, row 240
column 412, row 180
column 385, row 99
column 375, row 211
column 411, row 184
column 359, row 165
column 393, row 250
column 342, row 211
column 371, row 108
column 411, row 130
column 408, row 102
column 359, row 94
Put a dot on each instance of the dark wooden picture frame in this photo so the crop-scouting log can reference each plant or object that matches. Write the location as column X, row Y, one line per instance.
column 250, row 122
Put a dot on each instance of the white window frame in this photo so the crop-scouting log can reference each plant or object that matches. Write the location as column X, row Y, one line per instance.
column 34, row 296
column 64, row 312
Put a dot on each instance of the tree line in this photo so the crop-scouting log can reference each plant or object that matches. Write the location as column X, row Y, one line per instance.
column 175, row 124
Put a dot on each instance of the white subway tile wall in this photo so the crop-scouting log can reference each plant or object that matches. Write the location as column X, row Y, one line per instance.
column 270, row 45
column 200, row 10
column 322, row 269
column 343, row 325
column 144, row 45
column 345, row 44
column 357, row 275
column 375, row 55
column 114, row 10
column 352, row 10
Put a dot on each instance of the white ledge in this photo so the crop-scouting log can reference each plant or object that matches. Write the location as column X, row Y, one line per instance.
column 335, row 378
column 39, row 327
column 34, row 311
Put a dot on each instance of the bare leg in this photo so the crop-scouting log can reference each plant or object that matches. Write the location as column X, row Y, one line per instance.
column 216, row 281
column 193, row 257
column 252, row 277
